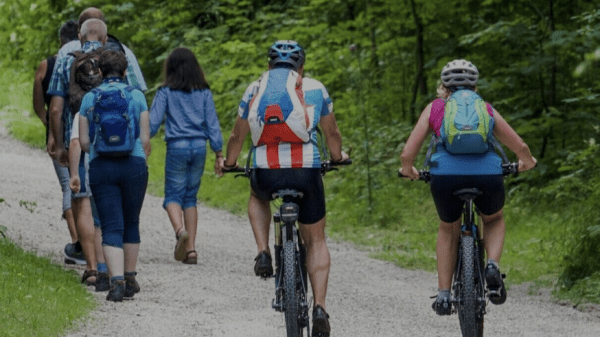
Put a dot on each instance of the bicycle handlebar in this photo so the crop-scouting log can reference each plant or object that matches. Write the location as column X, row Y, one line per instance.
column 507, row 169
column 326, row 166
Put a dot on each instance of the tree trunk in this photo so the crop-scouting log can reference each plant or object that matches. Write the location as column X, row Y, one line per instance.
column 420, row 81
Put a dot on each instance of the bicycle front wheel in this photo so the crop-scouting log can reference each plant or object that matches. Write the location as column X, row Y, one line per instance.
column 469, row 315
column 290, row 286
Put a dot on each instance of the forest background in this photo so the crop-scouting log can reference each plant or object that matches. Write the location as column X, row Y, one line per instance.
column 380, row 61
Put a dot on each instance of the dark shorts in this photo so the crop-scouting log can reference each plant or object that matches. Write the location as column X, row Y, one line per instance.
column 449, row 206
column 265, row 182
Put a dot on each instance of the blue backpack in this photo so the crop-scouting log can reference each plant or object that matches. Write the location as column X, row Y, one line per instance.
column 115, row 127
column 467, row 126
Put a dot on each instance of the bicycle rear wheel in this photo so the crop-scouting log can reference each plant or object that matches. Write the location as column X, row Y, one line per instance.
column 291, row 299
column 470, row 317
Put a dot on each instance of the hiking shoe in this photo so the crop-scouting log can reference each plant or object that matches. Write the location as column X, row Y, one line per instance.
column 132, row 287
column 117, row 291
column 102, row 282
column 321, row 326
column 495, row 283
column 74, row 254
column 442, row 305
column 264, row 265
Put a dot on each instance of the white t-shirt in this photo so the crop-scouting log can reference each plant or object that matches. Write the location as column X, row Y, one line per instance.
column 75, row 127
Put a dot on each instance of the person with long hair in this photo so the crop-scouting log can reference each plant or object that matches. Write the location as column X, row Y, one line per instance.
column 191, row 120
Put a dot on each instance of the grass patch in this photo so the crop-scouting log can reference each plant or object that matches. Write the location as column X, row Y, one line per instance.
column 38, row 298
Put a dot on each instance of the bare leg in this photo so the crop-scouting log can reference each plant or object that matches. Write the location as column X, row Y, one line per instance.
column 176, row 216
column 190, row 218
column 114, row 260
column 98, row 246
column 259, row 212
column 318, row 260
column 85, row 230
column 494, row 231
column 131, row 254
column 68, row 214
column 447, row 246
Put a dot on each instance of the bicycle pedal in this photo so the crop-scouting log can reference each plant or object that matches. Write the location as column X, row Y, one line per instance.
column 503, row 276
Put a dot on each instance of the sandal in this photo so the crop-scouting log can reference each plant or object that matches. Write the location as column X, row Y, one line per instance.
column 86, row 275
column 182, row 237
column 191, row 259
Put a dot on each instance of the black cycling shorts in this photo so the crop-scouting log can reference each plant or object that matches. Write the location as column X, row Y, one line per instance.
column 265, row 182
column 449, row 206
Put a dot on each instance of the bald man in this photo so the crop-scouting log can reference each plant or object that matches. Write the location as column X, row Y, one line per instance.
column 134, row 76
column 92, row 35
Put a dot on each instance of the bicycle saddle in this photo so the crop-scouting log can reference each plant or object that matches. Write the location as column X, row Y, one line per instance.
column 467, row 193
column 287, row 192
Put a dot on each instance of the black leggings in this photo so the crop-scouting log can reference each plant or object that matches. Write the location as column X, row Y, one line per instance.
column 449, row 206
column 265, row 182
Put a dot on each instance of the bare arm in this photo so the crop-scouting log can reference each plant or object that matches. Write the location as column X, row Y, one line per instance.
column 74, row 157
column 236, row 141
column 414, row 144
column 333, row 138
column 56, row 127
column 507, row 136
column 145, row 132
column 84, row 133
column 39, row 105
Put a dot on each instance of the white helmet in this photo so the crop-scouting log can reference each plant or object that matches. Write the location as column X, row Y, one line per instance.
column 459, row 73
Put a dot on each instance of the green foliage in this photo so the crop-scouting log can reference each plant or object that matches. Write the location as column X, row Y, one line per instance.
column 538, row 66
column 33, row 287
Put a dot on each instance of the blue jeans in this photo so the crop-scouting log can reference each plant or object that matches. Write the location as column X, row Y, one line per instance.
column 183, row 169
column 119, row 186
column 63, row 178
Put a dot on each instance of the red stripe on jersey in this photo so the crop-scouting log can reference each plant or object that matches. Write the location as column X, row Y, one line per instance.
column 297, row 157
column 273, row 156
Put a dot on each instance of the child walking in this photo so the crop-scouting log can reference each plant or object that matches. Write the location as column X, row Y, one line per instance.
column 186, row 100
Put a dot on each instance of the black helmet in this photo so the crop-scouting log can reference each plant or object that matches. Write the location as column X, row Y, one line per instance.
column 288, row 52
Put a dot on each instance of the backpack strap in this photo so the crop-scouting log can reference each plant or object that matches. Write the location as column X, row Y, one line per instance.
column 435, row 123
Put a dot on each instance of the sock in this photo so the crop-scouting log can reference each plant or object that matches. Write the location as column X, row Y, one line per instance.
column 102, row 268
column 117, row 278
column 494, row 263
column 130, row 273
column 443, row 293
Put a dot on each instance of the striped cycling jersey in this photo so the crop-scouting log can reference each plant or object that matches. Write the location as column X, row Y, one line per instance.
column 288, row 155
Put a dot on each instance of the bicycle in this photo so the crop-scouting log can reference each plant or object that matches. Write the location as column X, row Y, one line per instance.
column 469, row 292
column 291, row 282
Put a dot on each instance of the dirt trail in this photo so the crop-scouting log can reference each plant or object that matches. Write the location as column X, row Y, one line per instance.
column 221, row 297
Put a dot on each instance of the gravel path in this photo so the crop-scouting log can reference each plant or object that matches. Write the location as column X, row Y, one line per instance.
column 221, row 297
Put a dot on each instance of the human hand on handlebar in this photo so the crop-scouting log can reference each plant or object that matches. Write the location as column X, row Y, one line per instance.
column 409, row 172
column 226, row 167
column 527, row 164
column 344, row 157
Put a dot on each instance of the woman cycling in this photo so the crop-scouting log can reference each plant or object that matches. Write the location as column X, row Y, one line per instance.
column 450, row 172
column 191, row 120
column 118, row 179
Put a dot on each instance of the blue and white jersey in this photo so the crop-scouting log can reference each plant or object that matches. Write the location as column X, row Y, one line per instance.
column 287, row 155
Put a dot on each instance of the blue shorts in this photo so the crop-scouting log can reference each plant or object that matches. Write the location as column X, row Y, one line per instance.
column 184, row 167
column 84, row 190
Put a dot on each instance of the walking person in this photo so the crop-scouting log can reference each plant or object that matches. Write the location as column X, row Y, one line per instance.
column 118, row 146
column 191, row 120
column 469, row 163
column 41, row 103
